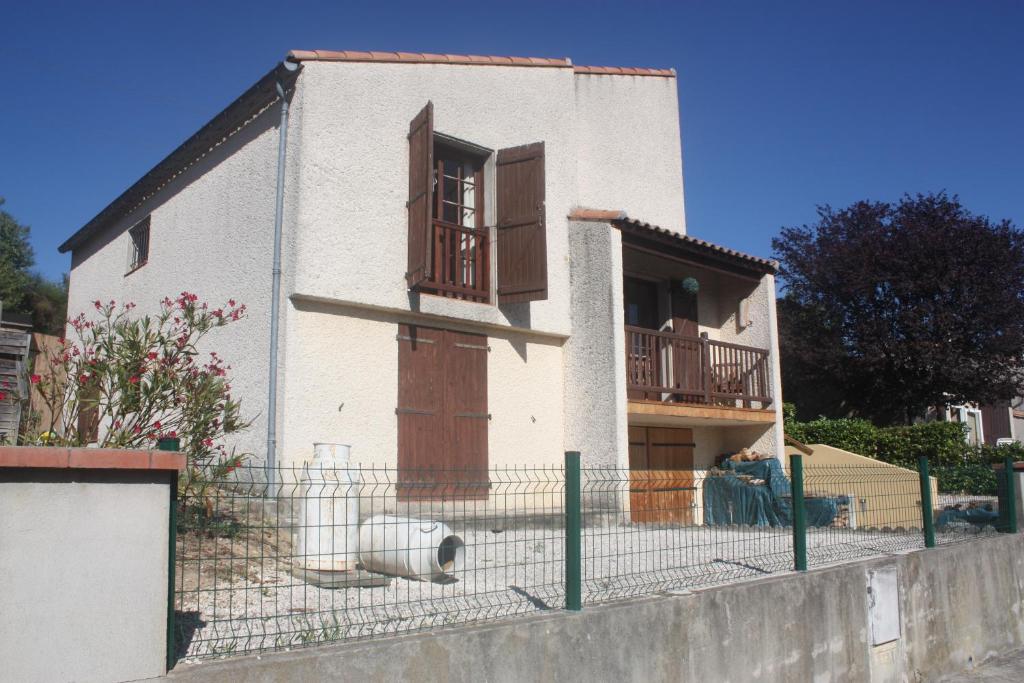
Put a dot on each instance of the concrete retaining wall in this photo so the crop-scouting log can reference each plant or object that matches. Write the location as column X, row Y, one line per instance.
column 939, row 611
column 83, row 563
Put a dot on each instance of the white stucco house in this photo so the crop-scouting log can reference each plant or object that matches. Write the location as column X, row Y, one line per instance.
column 483, row 262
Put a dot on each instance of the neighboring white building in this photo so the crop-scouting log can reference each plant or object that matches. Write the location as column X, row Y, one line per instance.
column 483, row 263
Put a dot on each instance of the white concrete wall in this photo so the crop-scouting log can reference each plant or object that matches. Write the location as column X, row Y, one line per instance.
column 629, row 145
column 212, row 234
column 595, row 372
column 83, row 556
column 342, row 386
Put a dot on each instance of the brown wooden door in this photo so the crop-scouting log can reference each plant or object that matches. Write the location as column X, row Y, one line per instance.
column 661, row 475
column 640, row 309
column 442, row 413
column 686, row 356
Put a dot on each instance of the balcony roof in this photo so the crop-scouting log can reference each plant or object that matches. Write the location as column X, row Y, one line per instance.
column 693, row 247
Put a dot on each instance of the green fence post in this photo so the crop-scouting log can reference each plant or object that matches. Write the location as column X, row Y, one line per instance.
column 169, row 444
column 927, row 510
column 1011, row 496
column 573, row 554
column 796, row 464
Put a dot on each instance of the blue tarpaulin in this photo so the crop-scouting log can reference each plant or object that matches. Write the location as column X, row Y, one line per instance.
column 977, row 516
column 728, row 499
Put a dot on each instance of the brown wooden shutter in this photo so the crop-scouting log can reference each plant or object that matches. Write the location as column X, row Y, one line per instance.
column 466, row 417
column 521, row 239
column 420, row 407
column 442, row 414
column 421, row 190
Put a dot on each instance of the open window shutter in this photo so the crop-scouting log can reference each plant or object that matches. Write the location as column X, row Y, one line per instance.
column 421, row 186
column 521, row 239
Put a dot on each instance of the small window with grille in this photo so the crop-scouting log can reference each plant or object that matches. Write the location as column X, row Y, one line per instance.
column 138, row 253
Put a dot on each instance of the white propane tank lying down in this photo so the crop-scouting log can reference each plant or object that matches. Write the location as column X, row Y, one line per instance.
column 414, row 548
column 328, row 537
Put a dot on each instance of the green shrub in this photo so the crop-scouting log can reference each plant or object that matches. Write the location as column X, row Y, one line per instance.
column 942, row 442
column 959, row 467
column 974, row 478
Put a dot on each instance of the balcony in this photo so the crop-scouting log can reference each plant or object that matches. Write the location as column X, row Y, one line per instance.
column 461, row 263
column 675, row 368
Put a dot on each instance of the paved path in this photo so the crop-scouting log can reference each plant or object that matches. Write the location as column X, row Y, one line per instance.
column 1008, row 669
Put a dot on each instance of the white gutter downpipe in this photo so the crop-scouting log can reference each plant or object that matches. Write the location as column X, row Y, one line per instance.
column 282, row 147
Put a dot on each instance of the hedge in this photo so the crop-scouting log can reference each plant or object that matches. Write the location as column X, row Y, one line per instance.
column 959, row 467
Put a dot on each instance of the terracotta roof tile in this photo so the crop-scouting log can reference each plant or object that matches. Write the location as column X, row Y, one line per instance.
column 642, row 229
column 624, row 71
column 422, row 58
column 432, row 58
column 584, row 214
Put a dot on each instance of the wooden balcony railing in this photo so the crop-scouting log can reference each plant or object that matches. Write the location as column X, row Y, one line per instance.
column 461, row 265
column 665, row 366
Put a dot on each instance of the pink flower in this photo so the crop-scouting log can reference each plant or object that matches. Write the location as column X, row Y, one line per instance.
column 35, row 379
column 137, row 429
column 157, row 425
column 133, row 379
column 207, row 442
column 2, row 395
column 151, row 355
column 97, row 304
column 231, row 303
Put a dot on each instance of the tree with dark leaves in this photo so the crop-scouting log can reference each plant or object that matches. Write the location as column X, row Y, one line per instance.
column 890, row 308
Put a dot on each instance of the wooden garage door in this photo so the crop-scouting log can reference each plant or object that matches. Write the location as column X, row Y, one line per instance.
column 442, row 413
column 661, row 475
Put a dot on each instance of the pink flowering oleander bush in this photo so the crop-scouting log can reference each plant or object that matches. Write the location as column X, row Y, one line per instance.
column 127, row 381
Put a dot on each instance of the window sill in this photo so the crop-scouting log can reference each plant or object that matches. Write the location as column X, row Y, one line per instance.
column 136, row 268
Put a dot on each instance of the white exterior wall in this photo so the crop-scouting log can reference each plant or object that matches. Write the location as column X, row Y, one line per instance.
column 354, row 176
column 595, row 355
column 211, row 233
column 762, row 332
column 343, row 387
column 630, row 152
column 610, row 142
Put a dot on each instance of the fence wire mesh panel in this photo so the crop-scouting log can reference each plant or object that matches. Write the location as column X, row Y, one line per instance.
column 860, row 510
column 964, row 516
column 653, row 530
column 347, row 553
column 646, row 531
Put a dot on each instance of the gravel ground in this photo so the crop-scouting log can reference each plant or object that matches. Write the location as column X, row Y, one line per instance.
column 258, row 604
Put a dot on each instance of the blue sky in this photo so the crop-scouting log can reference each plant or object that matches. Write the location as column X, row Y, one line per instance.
column 784, row 105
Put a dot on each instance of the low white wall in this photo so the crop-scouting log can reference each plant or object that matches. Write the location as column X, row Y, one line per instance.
column 83, row 556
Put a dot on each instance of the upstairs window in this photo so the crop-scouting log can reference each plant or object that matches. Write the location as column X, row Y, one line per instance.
column 449, row 243
column 138, row 250
column 458, row 186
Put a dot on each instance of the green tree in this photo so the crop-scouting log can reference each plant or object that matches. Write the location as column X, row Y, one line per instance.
column 16, row 257
column 23, row 291
column 890, row 308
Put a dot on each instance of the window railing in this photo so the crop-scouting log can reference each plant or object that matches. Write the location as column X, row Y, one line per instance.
column 461, row 263
column 665, row 366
